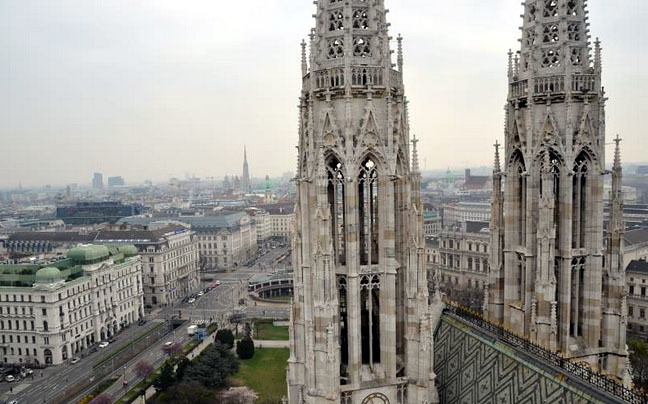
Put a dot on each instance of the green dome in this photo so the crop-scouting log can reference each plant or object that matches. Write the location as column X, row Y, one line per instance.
column 48, row 274
column 128, row 250
column 88, row 254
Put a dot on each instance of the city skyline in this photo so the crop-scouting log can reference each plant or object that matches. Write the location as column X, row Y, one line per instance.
column 91, row 89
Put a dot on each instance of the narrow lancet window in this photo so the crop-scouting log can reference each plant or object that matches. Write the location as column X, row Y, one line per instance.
column 368, row 197
column 336, row 197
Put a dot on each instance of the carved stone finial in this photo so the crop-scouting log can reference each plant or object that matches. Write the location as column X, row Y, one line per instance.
column 496, row 166
column 415, row 161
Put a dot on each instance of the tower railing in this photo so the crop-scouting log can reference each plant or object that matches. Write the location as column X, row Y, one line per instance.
column 361, row 76
column 579, row 370
column 553, row 85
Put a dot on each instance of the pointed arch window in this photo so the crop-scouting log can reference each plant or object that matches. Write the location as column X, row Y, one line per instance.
column 344, row 328
column 550, row 33
column 519, row 189
column 572, row 8
column 335, row 48
column 336, row 21
column 551, row 8
column 550, row 185
column 336, row 195
column 370, row 318
column 368, row 204
column 574, row 31
column 361, row 19
column 580, row 200
column 577, row 296
column 361, row 47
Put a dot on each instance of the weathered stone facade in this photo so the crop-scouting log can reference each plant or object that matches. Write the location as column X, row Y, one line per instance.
column 361, row 328
column 551, row 278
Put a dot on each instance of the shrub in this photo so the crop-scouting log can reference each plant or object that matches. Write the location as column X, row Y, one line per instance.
column 245, row 348
column 225, row 337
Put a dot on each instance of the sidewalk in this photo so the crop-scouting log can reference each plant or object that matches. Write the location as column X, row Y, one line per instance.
column 150, row 392
column 272, row 344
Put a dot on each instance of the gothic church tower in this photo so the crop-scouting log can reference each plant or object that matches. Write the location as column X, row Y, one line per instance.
column 361, row 328
column 245, row 182
column 551, row 279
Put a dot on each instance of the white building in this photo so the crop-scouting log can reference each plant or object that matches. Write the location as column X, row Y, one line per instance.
column 225, row 240
column 466, row 212
column 282, row 219
column 170, row 262
column 49, row 314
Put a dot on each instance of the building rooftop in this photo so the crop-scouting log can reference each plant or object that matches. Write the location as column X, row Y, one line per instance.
column 633, row 237
column 638, row 266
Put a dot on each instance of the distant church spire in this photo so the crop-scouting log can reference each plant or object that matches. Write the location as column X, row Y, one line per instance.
column 245, row 181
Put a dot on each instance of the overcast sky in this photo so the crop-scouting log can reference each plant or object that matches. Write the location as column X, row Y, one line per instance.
column 150, row 89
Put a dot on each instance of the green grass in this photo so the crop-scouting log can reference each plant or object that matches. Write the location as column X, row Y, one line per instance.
column 265, row 374
column 265, row 331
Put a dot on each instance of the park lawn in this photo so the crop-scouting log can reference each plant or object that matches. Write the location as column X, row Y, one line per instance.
column 265, row 331
column 265, row 373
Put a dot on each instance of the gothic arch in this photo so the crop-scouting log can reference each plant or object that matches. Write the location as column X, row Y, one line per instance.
column 589, row 154
column 584, row 167
column 336, row 194
column 377, row 157
column 369, row 173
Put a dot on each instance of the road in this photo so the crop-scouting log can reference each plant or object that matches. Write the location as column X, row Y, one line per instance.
column 40, row 389
column 216, row 305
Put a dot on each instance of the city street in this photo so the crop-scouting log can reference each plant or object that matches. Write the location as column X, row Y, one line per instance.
column 216, row 305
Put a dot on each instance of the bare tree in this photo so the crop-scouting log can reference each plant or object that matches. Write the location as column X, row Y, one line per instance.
column 143, row 369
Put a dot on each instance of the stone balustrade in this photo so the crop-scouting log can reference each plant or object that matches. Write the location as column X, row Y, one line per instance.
column 553, row 84
column 361, row 76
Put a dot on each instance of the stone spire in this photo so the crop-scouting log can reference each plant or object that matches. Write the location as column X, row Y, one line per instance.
column 245, row 181
column 616, row 195
column 554, row 37
column 496, row 165
column 400, row 53
column 304, row 62
column 360, row 317
column 347, row 32
column 415, row 158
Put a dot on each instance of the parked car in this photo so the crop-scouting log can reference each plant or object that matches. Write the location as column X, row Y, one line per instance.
column 200, row 294
column 168, row 343
column 10, row 378
column 191, row 301
column 218, row 283
column 103, row 344
column 75, row 360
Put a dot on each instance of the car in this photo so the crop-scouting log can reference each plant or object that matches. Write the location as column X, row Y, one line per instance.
column 28, row 371
column 112, row 339
column 218, row 283
column 168, row 343
column 200, row 294
column 103, row 344
column 75, row 360
column 13, row 402
column 191, row 301
column 10, row 378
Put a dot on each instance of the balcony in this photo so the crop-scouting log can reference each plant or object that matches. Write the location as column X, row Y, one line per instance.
column 552, row 85
column 361, row 77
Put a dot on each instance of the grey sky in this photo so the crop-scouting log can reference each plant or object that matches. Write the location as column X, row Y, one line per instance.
column 155, row 88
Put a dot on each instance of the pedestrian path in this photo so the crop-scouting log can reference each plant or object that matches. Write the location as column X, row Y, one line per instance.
column 150, row 392
column 272, row 344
